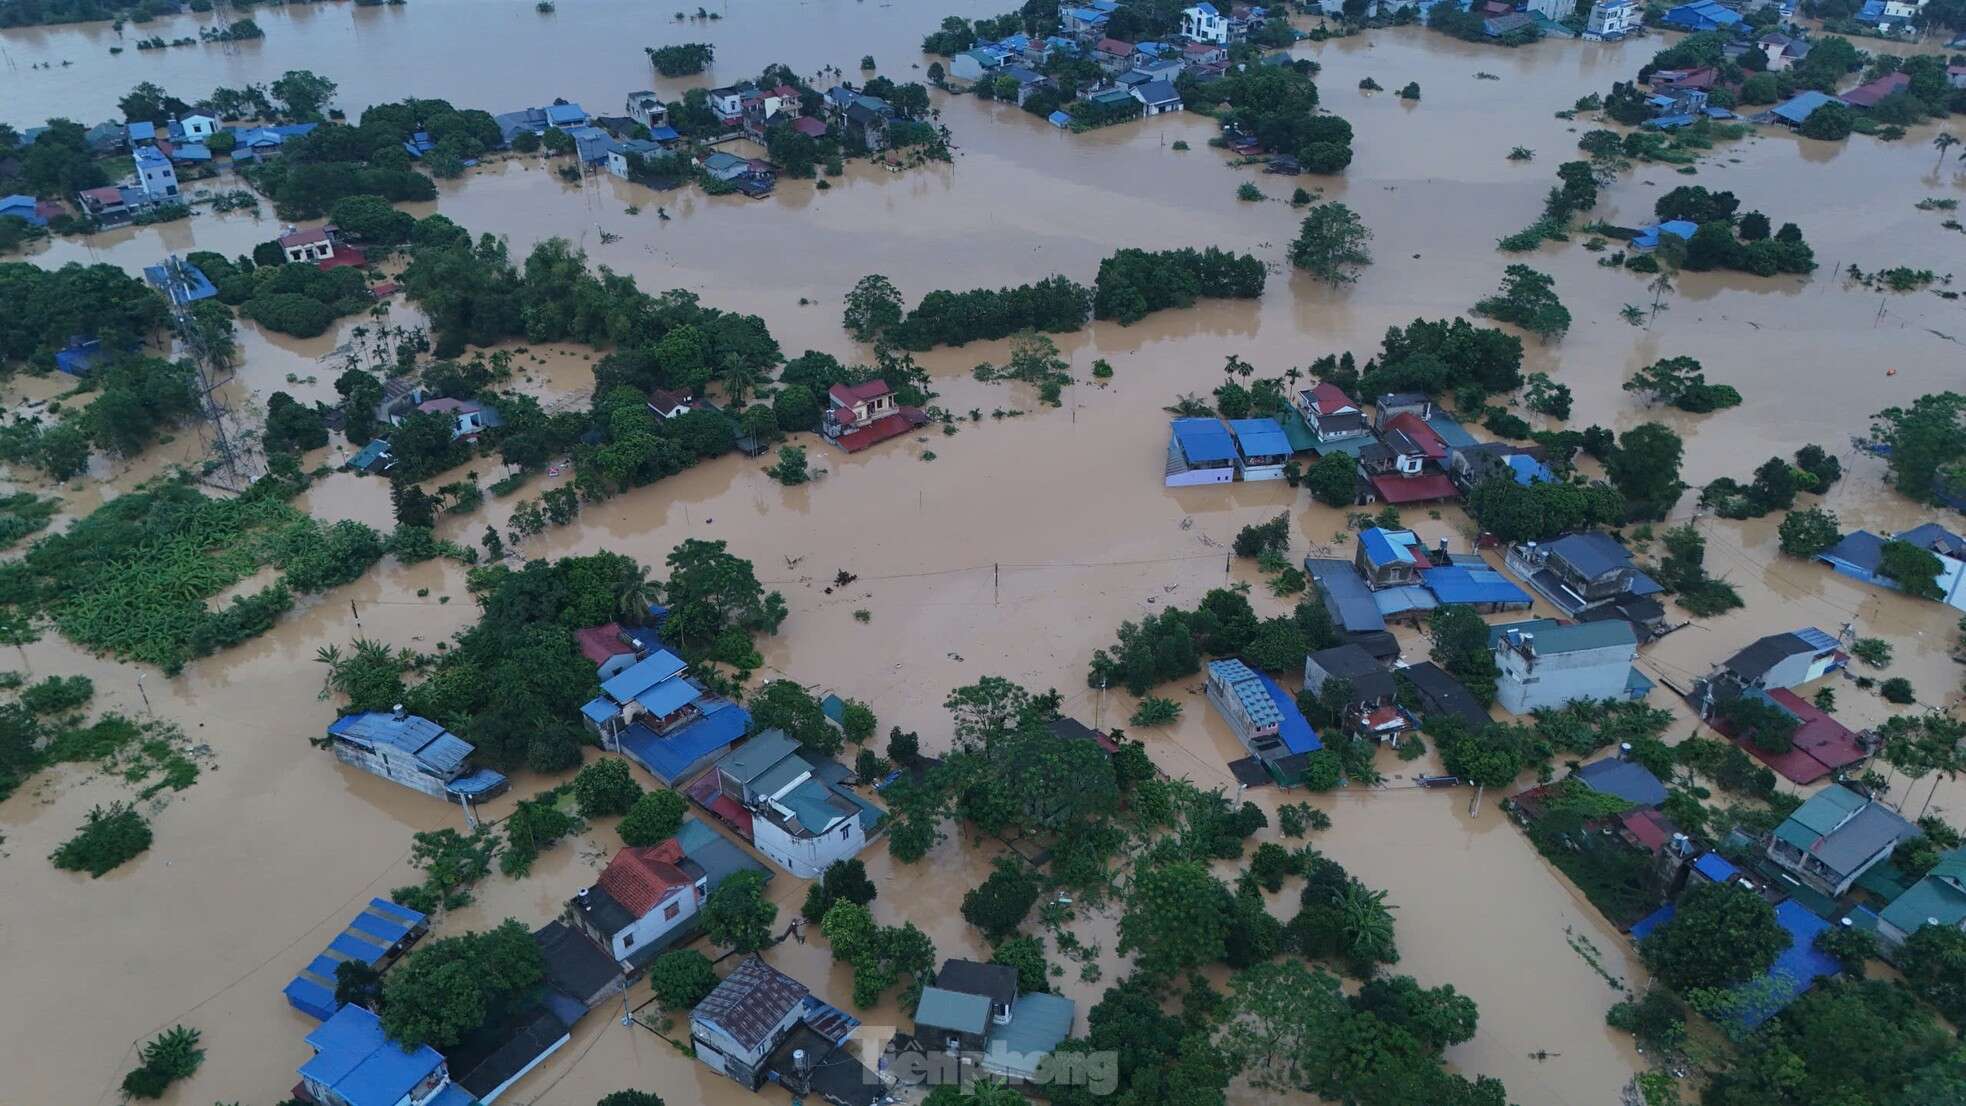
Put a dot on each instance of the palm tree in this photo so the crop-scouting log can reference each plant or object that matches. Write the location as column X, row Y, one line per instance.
column 740, row 376
column 634, row 595
column 1943, row 141
column 329, row 655
column 1367, row 923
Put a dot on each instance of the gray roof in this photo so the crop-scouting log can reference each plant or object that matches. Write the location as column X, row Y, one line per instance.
column 1348, row 661
column 1580, row 636
column 751, row 1001
column 1442, row 694
column 1753, row 662
column 1347, row 597
column 1936, row 538
column 1592, row 553
column 1625, row 779
column 996, row 982
column 758, row 755
column 1158, row 91
column 1859, row 548
column 955, row 1010
column 1039, row 1023
column 1846, row 847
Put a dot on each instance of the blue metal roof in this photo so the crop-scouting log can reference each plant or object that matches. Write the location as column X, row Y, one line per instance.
column 1467, row 584
column 599, row 709
column 1294, row 730
column 1204, row 440
column 1815, row 638
column 1802, row 106
column 143, row 132
column 1528, row 470
column 645, row 674
column 669, row 758
column 361, row 1065
column 1623, row 779
column 1382, row 548
column 561, row 114
column 435, row 747
column 668, row 697
column 1716, row 867
column 1257, row 437
column 1403, row 600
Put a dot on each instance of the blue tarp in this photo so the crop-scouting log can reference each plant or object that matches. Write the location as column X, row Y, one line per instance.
column 669, row 758
column 1716, row 867
column 1260, row 437
column 1465, row 584
column 80, row 359
column 1528, row 470
column 1205, row 440
column 1795, row 971
column 1059, row 119
column 1295, row 730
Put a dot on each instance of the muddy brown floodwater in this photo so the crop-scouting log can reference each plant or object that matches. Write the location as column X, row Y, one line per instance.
column 1016, row 551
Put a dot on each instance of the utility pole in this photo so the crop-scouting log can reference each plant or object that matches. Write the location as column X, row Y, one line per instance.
column 996, row 579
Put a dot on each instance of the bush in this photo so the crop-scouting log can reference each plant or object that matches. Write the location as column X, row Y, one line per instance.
column 605, row 787
column 1155, row 711
column 1873, row 651
column 681, row 978
column 1897, row 689
column 999, row 904
column 655, row 817
column 108, row 839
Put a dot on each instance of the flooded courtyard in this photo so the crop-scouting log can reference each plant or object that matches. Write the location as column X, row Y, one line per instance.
column 1015, row 551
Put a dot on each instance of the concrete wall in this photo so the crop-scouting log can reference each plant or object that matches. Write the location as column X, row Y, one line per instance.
column 807, row 857
column 1552, row 680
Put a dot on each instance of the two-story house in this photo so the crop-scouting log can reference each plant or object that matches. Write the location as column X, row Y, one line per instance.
column 156, row 178
column 646, row 107
column 1368, row 706
column 1332, row 415
column 974, row 1012
column 643, row 896
column 318, row 246
column 1835, row 836
column 1471, row 465
column 1205, row 23
column 736, row 1027
column 654, row 692
column 865, row 414
column 1610, row 20
column 1770, row 663
column 1586, row 572
column 1389, row 558
column 779, row 801
column 1553, row 665
column 414, row 752
column 728, row 102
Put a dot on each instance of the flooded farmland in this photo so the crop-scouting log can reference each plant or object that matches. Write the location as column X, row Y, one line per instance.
column 1015, row 551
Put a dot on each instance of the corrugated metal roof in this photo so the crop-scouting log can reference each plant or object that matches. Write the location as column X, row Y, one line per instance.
column 439, row 750
column 1466, row 584
column 1203, row 440
column 1388, row 546
column 1244, row 683
column 1256, row 437
column 1715, row 867
column 1039, row 1023
column 644, row 674
column 1349, row 600
column 963, row 1013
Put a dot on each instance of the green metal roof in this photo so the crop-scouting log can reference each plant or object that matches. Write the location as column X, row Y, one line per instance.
column 1821, row 814
column 964, row 1013
column 815, row 806
column 1580, row 636
column 1038, row 1024
column 1941, row 895
column 1299, row 433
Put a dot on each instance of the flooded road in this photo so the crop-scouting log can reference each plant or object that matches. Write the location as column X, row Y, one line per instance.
column 1016, row 551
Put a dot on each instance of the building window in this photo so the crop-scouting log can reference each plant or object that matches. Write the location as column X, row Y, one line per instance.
column 628, row 940
column 846, row 831
column 669, row 912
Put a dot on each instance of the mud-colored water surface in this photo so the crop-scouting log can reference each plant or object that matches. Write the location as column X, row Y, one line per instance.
column 1015, row 551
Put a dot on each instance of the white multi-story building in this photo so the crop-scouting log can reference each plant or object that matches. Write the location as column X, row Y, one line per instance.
column 1610, row 20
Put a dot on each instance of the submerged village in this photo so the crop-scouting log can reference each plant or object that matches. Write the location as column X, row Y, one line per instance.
column 1434, row 571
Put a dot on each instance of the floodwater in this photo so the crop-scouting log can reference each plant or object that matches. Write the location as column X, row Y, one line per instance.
column 1015, row 551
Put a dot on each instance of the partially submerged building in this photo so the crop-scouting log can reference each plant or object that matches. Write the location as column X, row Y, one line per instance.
column 1860, row 555
column 647, row 899
column 1590, row 576
column 413, row 751
column 760, row 1024
column 1834, row 837
column 797, row 813
column 1547, row 666
column 1199, row 451
column 1264, row 718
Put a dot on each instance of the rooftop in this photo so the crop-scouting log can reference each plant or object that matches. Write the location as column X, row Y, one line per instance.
column 1578, row 637
column 1257, row 437
column 751, row 1001
column 357, row 1062
column 953, row 1010
column 1624, row 779
column 1754, row 661
column 996, row 982
column 1591, row 553
column 436, row 748
column 1204, row 440
column 641, row 878
column 1842, row 829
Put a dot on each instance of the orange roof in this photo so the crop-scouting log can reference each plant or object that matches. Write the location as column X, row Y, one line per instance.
column 640, row 879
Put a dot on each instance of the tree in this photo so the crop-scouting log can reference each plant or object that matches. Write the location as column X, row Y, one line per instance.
column 1916, row 570
column 605, row 787
column 709, row 591
column 738, row 915
column 1528, row 299
column 791, row 467
column 1440, row 1017
column 302, row 93
column 1695, row 204
column 1831, row 122
column 1924, row 439
column 1645, row 470
column 858, row 721
column 1026, row 954
column 796, row 409
column 452, row 986
column 1333, row 480
column 842, row 881
column 1942, row 142
column 1934, row 964
column 1720, row 934
column 1177, row 918
column 998, row 905
column 873, row 306
column 1460, row 645
column 786, row 705
column 1809, row 531
column 681, row 978
column 1331, row 244
column 631, row 1098
column 652, row 818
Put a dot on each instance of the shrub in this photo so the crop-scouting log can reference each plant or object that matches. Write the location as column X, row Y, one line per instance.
column 1897, row 689
column 653, row 818
column 681, row 978
column 1873, row 651
column 1155, row 711
column 105, row 841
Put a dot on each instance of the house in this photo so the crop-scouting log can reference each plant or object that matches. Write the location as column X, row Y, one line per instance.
column 1470, row 582
column 1701, row 15
column 1648, row 237
column 1510, row 23
column 668, row 405
column 1865, row 96
column 654, row 692
column 1264, row 718
column 1113, row 55
column 1860, row 554
column 974, row 1011
column 1016, row 1050
column 356, row 1064
column 105, row 203
column 81, row 356
column 1937, row 899
column 613, row 648
column 1207, row 54
column 1622, row 778
column 181, row 282
column 1611, row 20
column 488, row 1062
column 1835, row 836
column 139, row 132
column 1797, row 110
column 1395, row 468
column 155, row 176
column 1388, row 558
column 728, row 102
column 867, row 120
column 1391, row 404
column 1029, row 81
column 1782, row 50
column 719, row 165
column 1443, row 696
column 1820, row 746
column 319, row 246
column 471, row 417
column 1157, row 96
column 1549, row 667
column 1347, row 599
column 643, row 900
column 1083, row 21
column 590, row 144
column 1262, row 448
column 190, row 153
column 24, row 208
column 377, row 936
column 646, row 107
column 624, row 157
column 1371, row 684
column 1784, row 660
column 414, row 752
column 865, row 414
column 739, row 1023
column 810, row 127
column 1330, row 413
column 777, row 800
column 952, row 1020
column 1199, row 451
column 975, row 65
column 1956, row 76
column 1471, row 465
column 1556, row 11
column 194, row 127
column 1584, row 573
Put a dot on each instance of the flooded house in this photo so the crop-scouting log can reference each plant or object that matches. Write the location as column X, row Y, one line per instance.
column 1611, row 20
column 377, row 936
column 614, row 648
column 1796, row 969
column 1369, row 706
column 1835, row 836
column 866, row 414
column 1199, row 451
column 1701, row 15
column 1442, row 696
column 663, row 720
column 794, row 811
column 1550, row 665
column 1769, row 663
column 1622, row 778
column 1860, row 555
column 975, row 1015
column 413, row 751
column 1819, row 747
column 1264, row 718
column 469, row 417
column 319, row 246
column 1404, row 466
column 181, row 282
column 647, row 899
column 356, row 1064
column 1331, row 415
column 1937, row 899
column 760, row 1024
column 1589, row 576
column 1470, row 466
column 1262, row 448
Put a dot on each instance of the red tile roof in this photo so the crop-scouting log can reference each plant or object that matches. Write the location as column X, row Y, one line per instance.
column 598, row 643
column 1416, row 428
column 664, row 400
column 1115, row 47
column 881, row 429
column 807, row 125
column 1329, row 398
column 109, row 194
column 641, row 879
column 304, row 237
column 1868, row 94
column 1648, row 827
column 1413, row 489
column 850, row 394
column 1821, row 744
